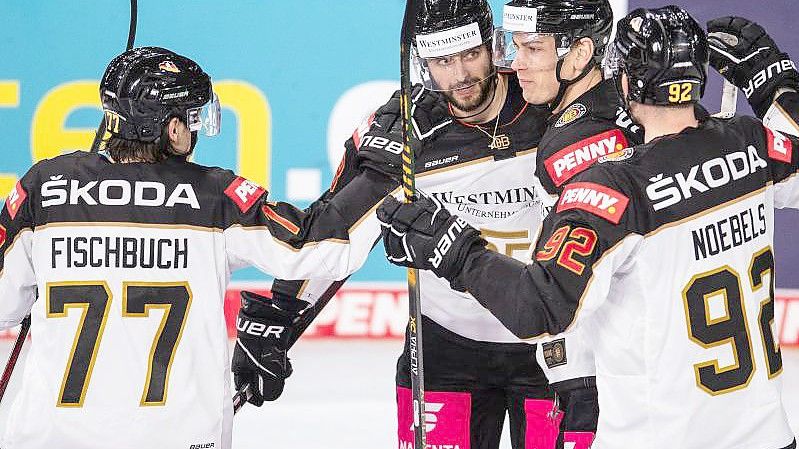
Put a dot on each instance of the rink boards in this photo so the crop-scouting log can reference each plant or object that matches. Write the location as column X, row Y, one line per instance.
column 379, row 311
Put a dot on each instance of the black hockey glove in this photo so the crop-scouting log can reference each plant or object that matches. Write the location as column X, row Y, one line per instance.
column 424, row 235
column 380, row 148
column 266, row 330
column 743, row 53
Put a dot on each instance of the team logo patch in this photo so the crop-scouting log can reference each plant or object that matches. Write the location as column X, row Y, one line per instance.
column 554, row 352
column 617, row 156
column 780, row 148
column 169, row 66
column 568, row 162
column 2, row 236
column 244, row 193
column 571, row 114
column 15, row 200
column 594, row 198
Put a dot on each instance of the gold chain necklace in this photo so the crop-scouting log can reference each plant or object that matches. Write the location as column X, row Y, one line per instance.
column 498, row 142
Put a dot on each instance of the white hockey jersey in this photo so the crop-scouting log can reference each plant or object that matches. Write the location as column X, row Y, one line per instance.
column 124, row 268
column 664, row 255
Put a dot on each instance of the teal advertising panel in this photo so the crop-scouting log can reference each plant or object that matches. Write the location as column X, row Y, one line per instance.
column 294, row 77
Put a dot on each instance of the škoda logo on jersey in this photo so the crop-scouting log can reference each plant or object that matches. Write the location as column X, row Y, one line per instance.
column 115, row 192
column 244, row 193
column 573, row 159
column 594, row 198
column 666, row 191
column 780, row 147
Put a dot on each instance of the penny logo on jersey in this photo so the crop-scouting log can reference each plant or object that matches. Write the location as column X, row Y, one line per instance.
column 244, row 193
column 597, row 199
column 15, row 200
column 780, row 147
column 575, row 158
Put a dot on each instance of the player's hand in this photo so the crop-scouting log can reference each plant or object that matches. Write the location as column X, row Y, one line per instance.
column 743, row 53
column 380, row 147
column 424, row 235
column 265, row 332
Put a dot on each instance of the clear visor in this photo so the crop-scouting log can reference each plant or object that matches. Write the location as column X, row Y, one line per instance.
column 453, row 72
column 536, row 48
column 207, row 118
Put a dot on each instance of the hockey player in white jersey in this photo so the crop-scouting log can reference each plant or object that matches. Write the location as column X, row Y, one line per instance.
column 477, row 152
column 556, row 48
column 663, row 251
column 122, row 258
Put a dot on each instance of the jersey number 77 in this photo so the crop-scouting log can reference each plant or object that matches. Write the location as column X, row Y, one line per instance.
column 138, row 298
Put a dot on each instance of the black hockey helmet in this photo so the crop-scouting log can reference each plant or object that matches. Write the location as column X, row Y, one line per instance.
column 447, row 27
column 567, row 21
column 664, row 53
column 145, row 87
column 435, row 16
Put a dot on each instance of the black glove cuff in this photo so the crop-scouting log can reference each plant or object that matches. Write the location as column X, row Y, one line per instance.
column 468, row 242
column 460, row 281
column 775, row 75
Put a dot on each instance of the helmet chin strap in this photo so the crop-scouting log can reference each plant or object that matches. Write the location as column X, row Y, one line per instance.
column 564, row 84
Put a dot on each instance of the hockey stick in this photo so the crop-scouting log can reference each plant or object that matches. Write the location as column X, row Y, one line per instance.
column 15, row 352
column 409, row 188
column 244, row 393
column 729, row 101
column 134, row 12
column 241, row 397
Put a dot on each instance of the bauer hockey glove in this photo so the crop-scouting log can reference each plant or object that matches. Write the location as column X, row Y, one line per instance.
column 743, row 53
column 380, row 147
column 424, row 235
column 266, row 329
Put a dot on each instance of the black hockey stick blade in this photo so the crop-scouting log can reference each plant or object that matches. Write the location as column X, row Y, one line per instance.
column 409, row 189
column 134, row 13
column 15, row 352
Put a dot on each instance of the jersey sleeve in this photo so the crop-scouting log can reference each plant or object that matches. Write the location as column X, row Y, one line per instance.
column 349, row 211
column 369, row 170
column 782, row 146
column 17, row 275
column 569, row 152
column 324, row 241
column 583, row 243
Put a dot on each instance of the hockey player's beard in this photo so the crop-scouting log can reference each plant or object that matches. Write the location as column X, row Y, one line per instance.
column 485, row 87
